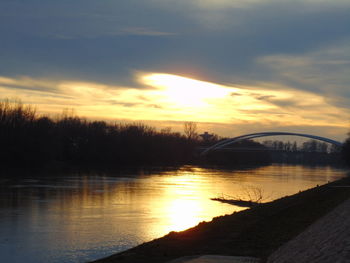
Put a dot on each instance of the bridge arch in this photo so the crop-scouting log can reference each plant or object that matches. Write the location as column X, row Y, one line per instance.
column 230, row 141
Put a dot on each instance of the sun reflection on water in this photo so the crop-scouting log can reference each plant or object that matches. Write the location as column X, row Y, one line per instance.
column 95, row 215
column 183, row 214
column 186, row 202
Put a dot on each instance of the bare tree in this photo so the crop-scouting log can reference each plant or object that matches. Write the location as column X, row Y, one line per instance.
column 190, row 130
column 166, row 130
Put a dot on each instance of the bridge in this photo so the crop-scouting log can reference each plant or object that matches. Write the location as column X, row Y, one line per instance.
column 227, row 142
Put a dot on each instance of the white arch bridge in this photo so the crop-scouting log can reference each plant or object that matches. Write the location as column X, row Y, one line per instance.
column 227, row 142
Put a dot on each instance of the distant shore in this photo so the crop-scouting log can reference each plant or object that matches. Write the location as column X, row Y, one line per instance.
column 256, row 232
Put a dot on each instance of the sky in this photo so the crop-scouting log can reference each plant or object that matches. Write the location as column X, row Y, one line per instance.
column 231, row 66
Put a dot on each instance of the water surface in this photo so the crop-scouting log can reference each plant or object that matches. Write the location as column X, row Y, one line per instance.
column 80, row 217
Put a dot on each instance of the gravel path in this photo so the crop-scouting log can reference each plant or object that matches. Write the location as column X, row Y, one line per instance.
column 325, row 241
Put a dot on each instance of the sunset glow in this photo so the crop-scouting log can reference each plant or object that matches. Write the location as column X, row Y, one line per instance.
column 173, row 98
column 184, row 214
column 185, row 91
column 227, row 65
column 124, row 121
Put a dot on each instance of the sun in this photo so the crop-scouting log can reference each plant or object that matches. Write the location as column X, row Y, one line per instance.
column 185, row 91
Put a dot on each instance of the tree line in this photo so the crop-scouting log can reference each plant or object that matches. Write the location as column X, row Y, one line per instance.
column 307, row 146
column 30, row 140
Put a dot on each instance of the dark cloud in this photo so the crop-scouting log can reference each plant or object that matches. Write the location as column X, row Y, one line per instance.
column 130, row 104
column 264, row 97
column 322, row 71
column 124, row 104
column 155, row 106
column 25, row 83
column 281, row 103
column 289, row 103
column 223, row 41
column 234, row 94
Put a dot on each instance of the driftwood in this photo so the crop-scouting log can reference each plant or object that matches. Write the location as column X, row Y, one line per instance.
column 250, row 196
column 237, row 202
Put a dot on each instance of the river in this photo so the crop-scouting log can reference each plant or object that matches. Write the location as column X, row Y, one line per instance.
column 79, row 217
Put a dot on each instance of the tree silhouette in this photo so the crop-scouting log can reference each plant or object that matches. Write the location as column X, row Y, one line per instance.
column 28, row 141
column 190, row 130
column 346, row 151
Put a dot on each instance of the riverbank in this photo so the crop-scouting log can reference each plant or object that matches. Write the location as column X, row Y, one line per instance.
column 326, row 240
column 256, row 232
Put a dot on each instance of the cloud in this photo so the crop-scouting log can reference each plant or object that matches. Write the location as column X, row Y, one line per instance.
column 324, row 71
column 220, row 5
column 284, row 58
column 131, row 31
column 176, row 98
column 213, row 40
column 145, row 32
column 264, row 97
column 53, row 94
column 29, row 83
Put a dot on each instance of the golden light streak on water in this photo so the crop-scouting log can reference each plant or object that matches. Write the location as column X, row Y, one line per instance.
column 81, row 217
